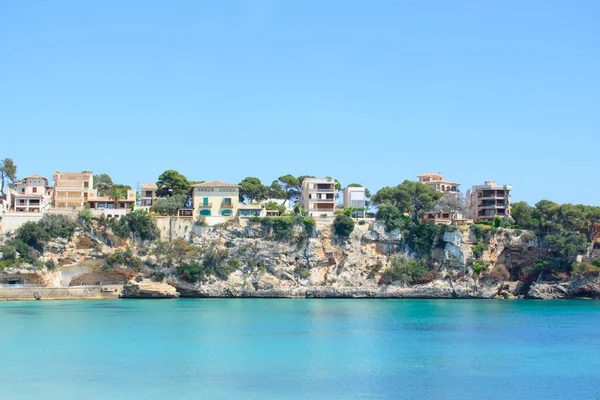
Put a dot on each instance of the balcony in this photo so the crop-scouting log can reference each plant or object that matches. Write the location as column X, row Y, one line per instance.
column 226, row 205
column 332, row 200
column 205, row 205
column 322, row 190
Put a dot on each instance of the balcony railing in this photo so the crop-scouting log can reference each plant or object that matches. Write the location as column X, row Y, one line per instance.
column 205, row 205
column 321, row 210
column 331, row 190
column 226, row 205
column 323, row 200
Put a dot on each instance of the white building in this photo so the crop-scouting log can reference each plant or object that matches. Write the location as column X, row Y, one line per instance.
column 355, row 198
column 318, row 196
column 31, row 195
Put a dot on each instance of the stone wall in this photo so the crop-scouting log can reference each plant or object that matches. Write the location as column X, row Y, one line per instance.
column 71, row 293
column 10, row 222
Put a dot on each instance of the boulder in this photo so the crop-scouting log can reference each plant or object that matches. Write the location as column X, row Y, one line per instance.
column 147, row 289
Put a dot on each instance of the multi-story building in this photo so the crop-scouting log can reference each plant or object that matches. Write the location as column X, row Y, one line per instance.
column 438, row 182
column 318, row 196
column 110, row 207
column 148, row 194
column 31, row 195
column 488, row 201
column 217, row 201
column 72, row 189
column 355, row 198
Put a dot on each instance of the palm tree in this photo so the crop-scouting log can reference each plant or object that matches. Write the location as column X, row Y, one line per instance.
column 115, row 194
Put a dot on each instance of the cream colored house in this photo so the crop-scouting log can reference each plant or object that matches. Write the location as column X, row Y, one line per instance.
column 148, row 194
column 438, row 182
column 488, row 201
column 72, row 189
column 31, row 195
column 216, row 201
column 318, row 196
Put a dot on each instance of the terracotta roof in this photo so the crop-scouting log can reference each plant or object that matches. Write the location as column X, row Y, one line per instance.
column 215, row 183
column 35, row 177
column 149, row 186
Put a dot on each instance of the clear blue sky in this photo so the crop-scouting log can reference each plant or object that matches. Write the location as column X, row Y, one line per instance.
column 367, row 92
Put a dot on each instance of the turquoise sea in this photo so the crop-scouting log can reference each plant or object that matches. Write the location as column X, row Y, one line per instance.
column 300, row 349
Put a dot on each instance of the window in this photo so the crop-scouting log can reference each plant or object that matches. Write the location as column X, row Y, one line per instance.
column 226, row 213
column 34, row 189
column 205, row 201
column 205, row 213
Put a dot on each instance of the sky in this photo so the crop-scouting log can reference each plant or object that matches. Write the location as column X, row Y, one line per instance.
column 366, row 92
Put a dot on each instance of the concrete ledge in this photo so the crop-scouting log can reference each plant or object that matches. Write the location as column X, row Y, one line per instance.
column 44, row 293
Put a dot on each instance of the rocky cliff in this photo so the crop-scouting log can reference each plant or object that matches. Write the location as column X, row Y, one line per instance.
column 463, row 263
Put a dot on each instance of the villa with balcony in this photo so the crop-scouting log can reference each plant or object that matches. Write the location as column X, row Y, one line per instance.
column 319, row 196
column 31, row 195
column 216, row 201
column 488, row 201
column 110, row 207
column 438, row 182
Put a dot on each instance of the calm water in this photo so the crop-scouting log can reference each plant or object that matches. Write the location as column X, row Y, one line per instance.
column 300, row 349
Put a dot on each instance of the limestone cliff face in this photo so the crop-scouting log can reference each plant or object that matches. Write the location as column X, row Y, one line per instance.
column 348, row 268
column 323, row 265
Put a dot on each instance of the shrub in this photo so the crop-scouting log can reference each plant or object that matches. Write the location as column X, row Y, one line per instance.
column 596, row 262
column 362, row 222
column 50, row 265
column 421, row 238
column 408, row 271
column 497, row 222
column 343, row 226
column 309, row 225
column 279, row 228
column 477, row 268
column 302, row 271
column 500, row 272
column 323, row 215
column 201, row 221
column 478, row 249
column 84, row 216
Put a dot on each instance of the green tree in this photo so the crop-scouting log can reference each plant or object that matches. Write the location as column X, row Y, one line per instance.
column 409, row 197
column 271, row 205
column 115, row 194
column 103, row 183
column 291, row 185
column 276, row 191
column 252, row 190
column 343, row 225
column 169, row 205
column 522, row 213
column 8, row 169
column 171, row 183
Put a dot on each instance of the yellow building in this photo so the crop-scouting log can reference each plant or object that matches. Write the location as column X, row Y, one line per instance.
column 72, row 189
column 216, row 201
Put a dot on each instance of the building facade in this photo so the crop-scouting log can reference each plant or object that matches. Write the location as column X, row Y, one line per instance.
column 110, row 207
column 31, row 195
column 148, row 195
column 72, row 189
column 216, row 201
column 438, row 182
column 319, row 196
column 355, row 197
column 488, row 201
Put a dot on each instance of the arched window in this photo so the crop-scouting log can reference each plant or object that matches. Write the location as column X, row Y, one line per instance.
column 226, row 213
column 205, row 213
